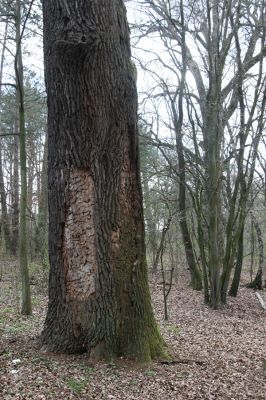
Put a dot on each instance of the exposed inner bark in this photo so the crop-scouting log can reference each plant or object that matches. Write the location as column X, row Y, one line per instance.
column 79, row 237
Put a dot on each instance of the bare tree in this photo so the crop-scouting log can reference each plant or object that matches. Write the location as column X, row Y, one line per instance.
column 223, row 50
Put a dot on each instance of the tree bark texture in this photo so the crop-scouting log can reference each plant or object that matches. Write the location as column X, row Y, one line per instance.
column 99, row 299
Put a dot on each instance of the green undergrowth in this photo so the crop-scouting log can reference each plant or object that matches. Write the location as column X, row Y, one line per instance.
column 76, row 385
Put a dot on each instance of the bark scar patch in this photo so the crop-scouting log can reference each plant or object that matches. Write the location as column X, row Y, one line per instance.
column 79, row 236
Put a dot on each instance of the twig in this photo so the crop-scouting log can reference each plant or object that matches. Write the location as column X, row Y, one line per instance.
column 183, row 361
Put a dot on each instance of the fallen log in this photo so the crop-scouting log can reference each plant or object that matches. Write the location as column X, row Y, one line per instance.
column 263, row 305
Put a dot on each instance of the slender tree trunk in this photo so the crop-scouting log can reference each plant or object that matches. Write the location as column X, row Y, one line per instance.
column 239, row 263
column 203, row 259
column 237, row 215
column 264, row 169
column 30, row 181
column 161, row 245
column 151, row 225
column 5, row 221
column 196, row 279
column 42, row 223
column 213, row 135
column 252, row 249
column 167, row 283
column 15, row 194
column 99, row 298
column 257, row 282
column 235, row 252
column 23, row 246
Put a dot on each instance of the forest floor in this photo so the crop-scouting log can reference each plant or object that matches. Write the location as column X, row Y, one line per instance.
column 222, row 353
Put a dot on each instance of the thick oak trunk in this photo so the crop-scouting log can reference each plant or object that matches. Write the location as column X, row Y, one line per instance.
column 99, row 297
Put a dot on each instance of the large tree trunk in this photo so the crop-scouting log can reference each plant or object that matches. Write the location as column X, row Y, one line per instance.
column 99, row 299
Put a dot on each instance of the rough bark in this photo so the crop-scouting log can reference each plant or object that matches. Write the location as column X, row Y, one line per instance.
column 99, row 299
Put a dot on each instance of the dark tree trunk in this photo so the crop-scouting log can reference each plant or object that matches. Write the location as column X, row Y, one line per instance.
column 239, row 263
column 99, row 299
